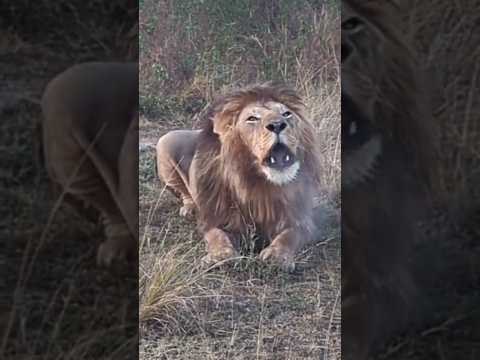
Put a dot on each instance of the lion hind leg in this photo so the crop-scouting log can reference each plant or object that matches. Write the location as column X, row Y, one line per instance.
column 119, row 242
column 90, row 187
column 104, row 174
column 175, row 151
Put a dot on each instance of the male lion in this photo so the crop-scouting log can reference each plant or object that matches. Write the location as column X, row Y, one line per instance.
column 90, row 140
column 388, row 167
column 253, row 164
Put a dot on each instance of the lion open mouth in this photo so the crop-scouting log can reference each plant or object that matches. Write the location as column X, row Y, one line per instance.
column 280, row 166
column 279, row 157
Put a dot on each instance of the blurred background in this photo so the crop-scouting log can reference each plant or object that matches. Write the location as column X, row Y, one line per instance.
column 54, row 302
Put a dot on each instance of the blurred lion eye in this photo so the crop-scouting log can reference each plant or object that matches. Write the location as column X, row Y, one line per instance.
column 351, row 24
column 287, row 114
column 252, row 119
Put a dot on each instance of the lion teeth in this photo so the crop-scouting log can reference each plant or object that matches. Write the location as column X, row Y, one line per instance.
column 353, row 128
column 287, row 157
column 272, row 160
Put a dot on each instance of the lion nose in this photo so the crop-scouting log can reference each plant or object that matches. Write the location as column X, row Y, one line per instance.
column 277, row 126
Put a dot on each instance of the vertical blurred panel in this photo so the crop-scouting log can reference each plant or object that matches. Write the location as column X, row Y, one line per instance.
column 409, row 200
column 69, row 180
column 219, row 187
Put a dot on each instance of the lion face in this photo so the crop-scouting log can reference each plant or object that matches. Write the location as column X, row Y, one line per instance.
column 362, row 45
column 361, row 74
column 361, row 144
column 266, row 121
column 368, row 61
column 382, row 101
column 270, row 131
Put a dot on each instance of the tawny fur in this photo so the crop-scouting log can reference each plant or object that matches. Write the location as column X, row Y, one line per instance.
column 90, row 141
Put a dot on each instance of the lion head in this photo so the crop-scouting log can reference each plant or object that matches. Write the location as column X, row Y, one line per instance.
column 266, row 123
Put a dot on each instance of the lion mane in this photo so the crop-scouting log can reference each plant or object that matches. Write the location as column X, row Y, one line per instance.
column 232, row 194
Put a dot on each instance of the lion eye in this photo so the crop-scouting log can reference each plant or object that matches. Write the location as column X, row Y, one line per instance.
column 287, row 114
column 252, row 119
column 351, row 24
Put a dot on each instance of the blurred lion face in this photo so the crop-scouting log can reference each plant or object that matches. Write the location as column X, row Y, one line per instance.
column 271, row 132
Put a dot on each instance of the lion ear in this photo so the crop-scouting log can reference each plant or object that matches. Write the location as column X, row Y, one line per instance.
column 223, row 119
column 222, row 122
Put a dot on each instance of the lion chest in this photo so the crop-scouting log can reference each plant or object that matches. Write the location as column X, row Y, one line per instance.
column 264, row 215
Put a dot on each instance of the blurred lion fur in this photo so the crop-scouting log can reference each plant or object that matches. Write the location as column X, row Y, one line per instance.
column 388, row 173
column 90, row 146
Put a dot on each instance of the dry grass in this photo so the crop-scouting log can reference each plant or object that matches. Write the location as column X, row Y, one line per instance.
column 241, row 309
column 172, row 282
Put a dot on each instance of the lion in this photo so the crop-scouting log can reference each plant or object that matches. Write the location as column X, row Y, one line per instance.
column 90, row 145
column 252, row 164
column 388, row 173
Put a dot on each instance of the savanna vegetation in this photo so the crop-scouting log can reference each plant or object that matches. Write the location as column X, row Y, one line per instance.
column 189, row 52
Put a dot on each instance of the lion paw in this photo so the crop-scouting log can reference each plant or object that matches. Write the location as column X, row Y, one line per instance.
column 220, row 254
column 188, row 208
column 280, row 256
column 111, row 251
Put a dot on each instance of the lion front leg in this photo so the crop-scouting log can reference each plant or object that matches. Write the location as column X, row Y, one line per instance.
column 219, row 246
column 283, row 248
